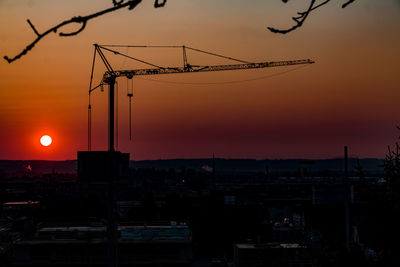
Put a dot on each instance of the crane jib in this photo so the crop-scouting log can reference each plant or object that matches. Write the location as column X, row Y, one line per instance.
column 189, row 68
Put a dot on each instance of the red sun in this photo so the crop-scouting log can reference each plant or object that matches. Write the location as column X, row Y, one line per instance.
column 46, row 140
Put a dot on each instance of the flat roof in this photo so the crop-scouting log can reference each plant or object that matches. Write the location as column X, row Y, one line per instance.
column 21, row 203
column 269, row 245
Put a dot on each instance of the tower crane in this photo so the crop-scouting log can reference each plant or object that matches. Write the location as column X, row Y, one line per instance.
column 110, row 76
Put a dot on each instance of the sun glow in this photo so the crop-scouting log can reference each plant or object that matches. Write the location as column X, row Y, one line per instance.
column 46, row 140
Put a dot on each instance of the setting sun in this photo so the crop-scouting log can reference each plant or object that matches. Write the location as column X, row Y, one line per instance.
column 45, row 140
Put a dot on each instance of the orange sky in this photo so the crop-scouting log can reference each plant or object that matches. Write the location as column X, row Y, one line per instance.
column 349, row 97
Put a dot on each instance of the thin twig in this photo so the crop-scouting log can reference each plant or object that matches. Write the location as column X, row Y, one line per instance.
column 159, row 4
column 131, row 4
column 347, row 3
column 303, row 15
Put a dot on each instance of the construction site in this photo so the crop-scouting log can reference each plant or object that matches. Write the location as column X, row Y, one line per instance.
column 199, row 133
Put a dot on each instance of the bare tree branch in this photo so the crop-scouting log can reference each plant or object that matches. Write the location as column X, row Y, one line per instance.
column 117, row 2
column 131, row 4
column 159, row 4
column 302, row 16
column 392, row 167
column 347, row 3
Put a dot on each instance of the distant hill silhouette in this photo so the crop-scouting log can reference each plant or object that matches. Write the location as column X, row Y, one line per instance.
column 370, row 165
column 38, row 167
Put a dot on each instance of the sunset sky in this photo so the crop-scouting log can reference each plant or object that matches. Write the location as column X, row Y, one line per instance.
column 349, row 97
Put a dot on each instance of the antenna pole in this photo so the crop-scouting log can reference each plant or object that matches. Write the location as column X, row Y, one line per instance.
column 130, row 118
column 129, row 90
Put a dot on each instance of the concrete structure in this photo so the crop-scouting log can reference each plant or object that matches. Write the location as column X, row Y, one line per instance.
column 93, row 166
column 166, row 245
column 272, row 254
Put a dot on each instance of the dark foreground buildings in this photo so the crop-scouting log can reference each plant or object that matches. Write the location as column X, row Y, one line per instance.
column 144, row 245
column 198, row 217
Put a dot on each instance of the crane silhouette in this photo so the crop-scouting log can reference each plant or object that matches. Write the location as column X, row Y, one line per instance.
column 110, row 75
column 109, row 78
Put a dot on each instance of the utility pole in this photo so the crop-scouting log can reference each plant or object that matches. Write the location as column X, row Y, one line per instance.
column 347, row 198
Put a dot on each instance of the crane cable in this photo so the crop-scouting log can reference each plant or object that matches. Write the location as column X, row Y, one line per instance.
column 90, row 105
column 166, row 46
column 129, row 93
column 136, row 59
column 216, row 55
column 227, row 82
column 124, row 61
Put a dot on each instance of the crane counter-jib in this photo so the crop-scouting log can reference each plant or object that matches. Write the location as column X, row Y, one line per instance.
column 190, row 68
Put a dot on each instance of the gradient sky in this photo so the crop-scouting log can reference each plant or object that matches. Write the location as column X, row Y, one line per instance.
column 349, row 97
